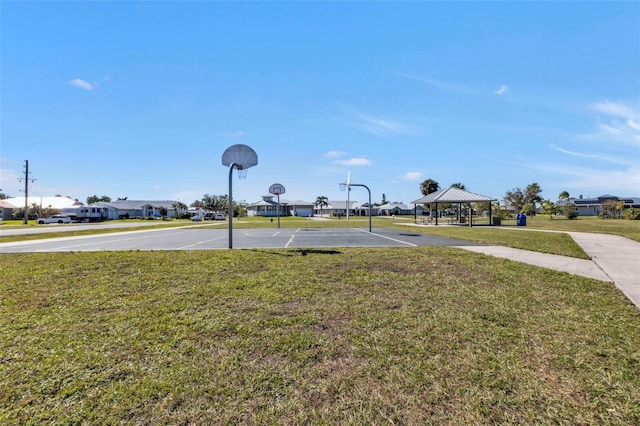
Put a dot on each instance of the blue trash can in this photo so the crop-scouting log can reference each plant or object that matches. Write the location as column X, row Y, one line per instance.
column 521, row 220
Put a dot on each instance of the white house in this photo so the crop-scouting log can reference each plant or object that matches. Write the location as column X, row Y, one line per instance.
column 391, row 209
column 53, row 203
column 268, row 206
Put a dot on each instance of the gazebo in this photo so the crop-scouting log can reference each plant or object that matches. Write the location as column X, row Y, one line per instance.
column 455, row 195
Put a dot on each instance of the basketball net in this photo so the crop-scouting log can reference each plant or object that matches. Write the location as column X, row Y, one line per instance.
column 242, row 173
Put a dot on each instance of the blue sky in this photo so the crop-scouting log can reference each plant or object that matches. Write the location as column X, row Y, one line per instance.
column 140, row 99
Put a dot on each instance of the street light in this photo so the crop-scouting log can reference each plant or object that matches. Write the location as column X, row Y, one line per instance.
column 348, row 186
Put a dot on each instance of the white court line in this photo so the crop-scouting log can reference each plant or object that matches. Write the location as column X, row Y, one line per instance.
column 291, row 239
column 388, row 238
column 198, row 243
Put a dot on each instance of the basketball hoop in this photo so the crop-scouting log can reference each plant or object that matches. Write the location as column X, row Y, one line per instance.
column 343, row 187
column 239, row 157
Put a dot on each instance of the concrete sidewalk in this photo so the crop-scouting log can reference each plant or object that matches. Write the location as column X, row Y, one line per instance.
column 614, row 259
column 618, row 257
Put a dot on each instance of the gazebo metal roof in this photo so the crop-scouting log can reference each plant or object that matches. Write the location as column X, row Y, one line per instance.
column 453, row 195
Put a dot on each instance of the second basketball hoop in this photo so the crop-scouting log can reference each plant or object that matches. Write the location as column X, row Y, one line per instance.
column 276, row 189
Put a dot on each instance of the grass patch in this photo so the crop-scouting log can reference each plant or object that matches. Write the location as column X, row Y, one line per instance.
column 625, row 228
column 365, row 336
column 544, row 242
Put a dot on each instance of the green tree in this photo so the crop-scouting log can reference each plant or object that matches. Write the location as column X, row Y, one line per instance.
column 322, row 201
column 95, row 199
column 532, row 198
column 570, row 211
column 609, row 209
column 458, row 185
column 384, row 199
column 32, row 212
column 429, row 186
column 548, row 207
column 163, row 212
column 216, row 203
column 180, row 209
column 564, row 195
column 515, row 198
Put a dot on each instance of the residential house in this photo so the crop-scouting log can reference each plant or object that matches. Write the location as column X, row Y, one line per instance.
column 391, row 209
column 593, row 206
column 269, row 207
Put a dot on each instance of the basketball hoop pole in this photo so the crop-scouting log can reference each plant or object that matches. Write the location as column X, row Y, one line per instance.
column 231, row 167
column 348, row 186
column 239, row 157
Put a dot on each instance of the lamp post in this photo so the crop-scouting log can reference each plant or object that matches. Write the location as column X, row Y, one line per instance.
column 348, row 188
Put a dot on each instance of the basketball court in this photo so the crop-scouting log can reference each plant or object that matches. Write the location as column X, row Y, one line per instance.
column 202, row 238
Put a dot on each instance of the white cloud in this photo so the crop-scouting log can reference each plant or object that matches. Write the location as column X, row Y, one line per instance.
column 334, row 154
column 357, row 161
column 412, row 176
column 615, row 109
column 501, row 91
column 81, row 84
column 382, row 127
column 577, row 154
column 596, row 182
column 441, row 84
column 238, row 134
column 620, row 129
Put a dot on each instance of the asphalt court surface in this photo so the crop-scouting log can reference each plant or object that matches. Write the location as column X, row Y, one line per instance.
column 195, row 238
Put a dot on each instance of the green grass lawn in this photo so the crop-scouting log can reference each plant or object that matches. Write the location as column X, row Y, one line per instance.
column 335, row 336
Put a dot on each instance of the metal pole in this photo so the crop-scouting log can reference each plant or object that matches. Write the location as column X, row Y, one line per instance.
column 278, row 211
column 231, row 167
column 26, row 193
column 348, row 200
column 370, row 207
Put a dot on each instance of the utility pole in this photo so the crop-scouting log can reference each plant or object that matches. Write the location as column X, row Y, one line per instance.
column 26, row 191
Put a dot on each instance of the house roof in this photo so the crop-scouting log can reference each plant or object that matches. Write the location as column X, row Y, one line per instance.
column 135, row 204
column 400, row 206
column 53, row 202
column 342, row 204
column 453, row 195
column 269, row 201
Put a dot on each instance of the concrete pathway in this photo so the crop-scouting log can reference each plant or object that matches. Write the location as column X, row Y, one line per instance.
column 613, row 258
column 618, row 257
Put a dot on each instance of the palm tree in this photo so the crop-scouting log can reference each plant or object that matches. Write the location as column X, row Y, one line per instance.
column 563, row 195
column 180, row 209
column 321, row 201
column 458, row 185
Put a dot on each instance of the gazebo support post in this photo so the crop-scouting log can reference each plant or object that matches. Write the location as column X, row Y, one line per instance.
column 490, row 220
column 436, row 213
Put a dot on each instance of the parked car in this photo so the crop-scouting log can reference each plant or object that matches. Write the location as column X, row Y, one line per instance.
column 219, row 216
column 56, row 218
